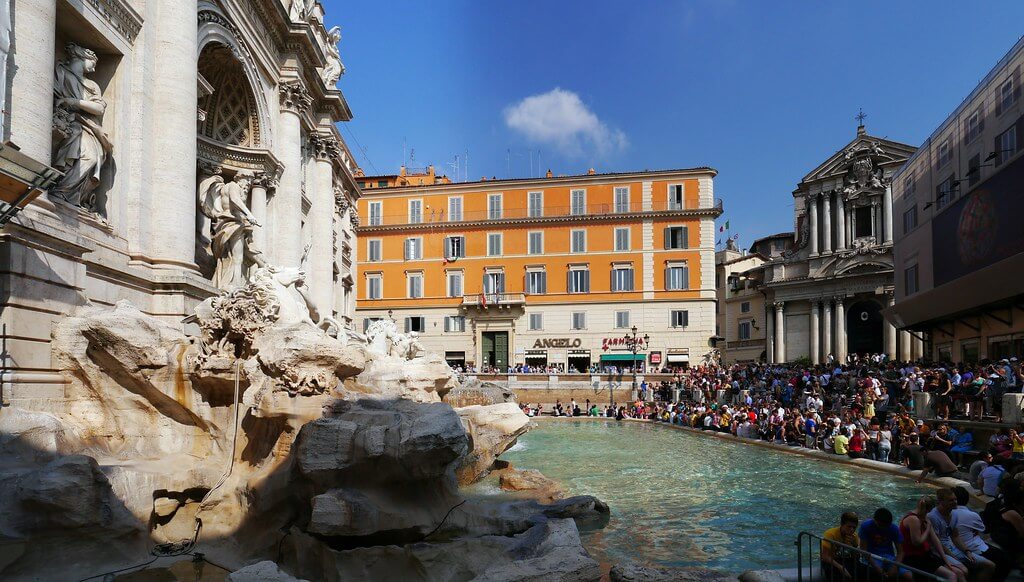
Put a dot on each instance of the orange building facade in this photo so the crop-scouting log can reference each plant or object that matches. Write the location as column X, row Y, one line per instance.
column 547, row 273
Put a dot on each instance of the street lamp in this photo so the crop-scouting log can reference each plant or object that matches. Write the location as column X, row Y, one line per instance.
column 633, row 344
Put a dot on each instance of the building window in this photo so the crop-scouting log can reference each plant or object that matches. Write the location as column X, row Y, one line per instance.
column 454, row 323
column 677, row 277
column 745, row 307
column 536, row 282
column 622, row 239
column 945, row 155
column 944, row 192
column 579, row 281
column 455, row 208
column 455, row 283
column 535, row 243
column 622, row 278
column 676, row 237
column 621, row 199
column 909, row 186
column 414, row 285
column 494, row 282
column 579, row 320
column 416, row 323
column 744, row 330
column 676, row 197
column 494, row 244
column 974, row 126
column 382, row 183
column 373, row 250
column 367, row 322
column 910, row 281
column 579, row 241
column 1006, row 145
column 621, row 319
column 578, row 202
column 536, row 204
column 374, row 286
column 413, row 249
column 679, row 318
column 415, row 211
column 494, row 206
column 376, row 213
column 454, row 247
column 910, row 219
column 1006, row 96
column 862, row 222
column 536, row 321
column 974, row 169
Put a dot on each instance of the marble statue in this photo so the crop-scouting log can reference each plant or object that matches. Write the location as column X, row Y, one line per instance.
column 78, row 111
column 233, row 223
column 385, row 340
column 298, row 10
column 333, row 70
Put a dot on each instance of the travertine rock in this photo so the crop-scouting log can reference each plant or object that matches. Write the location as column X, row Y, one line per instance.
column 632, row 572
column 492, row 430
column 530, row 480
column 474, row 391
column 265, row 571
column 426, row 378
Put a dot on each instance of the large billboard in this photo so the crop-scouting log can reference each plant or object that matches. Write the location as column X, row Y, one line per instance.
column 982, row 228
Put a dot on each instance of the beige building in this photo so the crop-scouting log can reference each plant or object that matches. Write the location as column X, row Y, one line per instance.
column 740, row 316
column 959, row 242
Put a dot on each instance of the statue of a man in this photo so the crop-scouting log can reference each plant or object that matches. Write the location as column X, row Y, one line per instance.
column 333, row 70
column 233, row 223
column 85, row 146
column 298, row 10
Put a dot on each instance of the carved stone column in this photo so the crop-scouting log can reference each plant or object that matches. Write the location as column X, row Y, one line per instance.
column 917, row 349
column 780, row 332
column 815, row 340
column 321, row 219
column 874, row 222
column 286, row 238
column 841, row 238
column 812, row 212
column 30, row 105
column 904, row 346
column 826, row 219
column 889, row 331
column 258, row 205
column 769, row 335
column 840, row 331
column 826, row 341
column 887, row 214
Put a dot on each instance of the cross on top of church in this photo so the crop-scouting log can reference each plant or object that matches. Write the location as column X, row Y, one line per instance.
column 860, row 117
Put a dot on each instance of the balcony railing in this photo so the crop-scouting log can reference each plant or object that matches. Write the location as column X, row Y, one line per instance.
column 485, row 299
column 441, row 217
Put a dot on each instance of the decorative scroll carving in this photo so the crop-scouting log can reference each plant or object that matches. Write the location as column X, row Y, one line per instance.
column 294, row 96
column 323, row 147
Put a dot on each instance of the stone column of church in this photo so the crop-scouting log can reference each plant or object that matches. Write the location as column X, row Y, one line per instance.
column 286, row 239
column 887, row 214
column 889, row 331
column 875, row 232
column 815, row 341
column 258, row 206
column 826, row 219
column 904, row 346
column 769, row 334
column 780, row 332
column 827, row 330
column 321, row 217
column 812, row 204
column 840, row 223
column 917, row 351
column 172, row 181
column 30, row 106
column 840, row 331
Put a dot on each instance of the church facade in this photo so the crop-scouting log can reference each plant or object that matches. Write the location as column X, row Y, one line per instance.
column 824, row 296
column 195, row 141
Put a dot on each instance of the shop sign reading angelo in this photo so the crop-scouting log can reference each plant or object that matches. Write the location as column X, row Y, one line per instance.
column 562, row 342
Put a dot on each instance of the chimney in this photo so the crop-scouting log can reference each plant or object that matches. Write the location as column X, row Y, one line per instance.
column 549, row 174
column 401, row 171
column 591, row 172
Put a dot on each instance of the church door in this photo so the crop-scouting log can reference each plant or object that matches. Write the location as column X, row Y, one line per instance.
column 864, row 328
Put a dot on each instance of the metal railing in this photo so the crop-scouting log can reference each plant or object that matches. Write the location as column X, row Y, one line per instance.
column 494, row 299
column 810, row 567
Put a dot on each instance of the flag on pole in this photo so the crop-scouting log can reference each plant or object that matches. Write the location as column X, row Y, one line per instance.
column 736, row 237
column 726, row 225
column 721, row 228
column 483, row 300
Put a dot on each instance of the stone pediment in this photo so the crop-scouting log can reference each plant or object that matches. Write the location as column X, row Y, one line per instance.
column 863, row 150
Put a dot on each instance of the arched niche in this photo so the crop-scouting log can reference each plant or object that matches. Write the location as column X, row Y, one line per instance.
column 231, row 115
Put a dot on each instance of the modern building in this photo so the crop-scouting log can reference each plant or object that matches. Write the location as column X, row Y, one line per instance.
column 405, row 177
column 959, row 241
column 139, row 106
column 825, row 294
column 740, row 320
column 548, row 271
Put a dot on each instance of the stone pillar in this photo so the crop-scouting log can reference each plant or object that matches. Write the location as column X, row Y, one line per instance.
column 874, row 223
column 812, row 212
column 30, row 106
column 840, row 223
column 769, row 335
column 321, row 217
column 904, row 346
column 258, row 206
column 815, row 341
column 887, row 214
column 286, row 239
column 853, row 226
column 917, row 351
column 889, row 331
column 172, row 181
column 780, row 332
column 827, row 330
column 826, row 219
column 840, row 331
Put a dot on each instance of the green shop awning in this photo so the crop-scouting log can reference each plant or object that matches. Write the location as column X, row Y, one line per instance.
column 622, row 357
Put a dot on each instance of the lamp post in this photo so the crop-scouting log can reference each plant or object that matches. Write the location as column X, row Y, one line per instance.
column 633, row 344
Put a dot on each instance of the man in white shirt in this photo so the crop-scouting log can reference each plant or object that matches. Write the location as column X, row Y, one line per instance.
column 968, row 526
column 990, row 478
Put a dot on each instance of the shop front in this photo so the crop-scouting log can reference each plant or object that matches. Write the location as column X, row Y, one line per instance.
column 623, row 362
column 457, row 360
column 536, row 359
column 678, row 358
column 578, row 361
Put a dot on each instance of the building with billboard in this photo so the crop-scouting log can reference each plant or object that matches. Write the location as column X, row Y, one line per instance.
column 959, row 242
column 549, row 273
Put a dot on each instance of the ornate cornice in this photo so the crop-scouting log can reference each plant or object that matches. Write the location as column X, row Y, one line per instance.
column 121, row 17
column 294, row 96
column 265, row 180
column 237, row 157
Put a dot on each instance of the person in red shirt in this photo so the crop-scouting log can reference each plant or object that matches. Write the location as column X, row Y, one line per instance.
column 921, row 547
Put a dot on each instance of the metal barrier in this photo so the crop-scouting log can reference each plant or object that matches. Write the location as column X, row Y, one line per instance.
column 810, row 569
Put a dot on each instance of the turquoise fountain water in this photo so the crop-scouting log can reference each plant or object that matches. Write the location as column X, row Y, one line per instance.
column 679, row 499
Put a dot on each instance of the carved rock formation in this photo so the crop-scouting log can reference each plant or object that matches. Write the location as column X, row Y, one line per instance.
column 492, row 430
column 476, row 392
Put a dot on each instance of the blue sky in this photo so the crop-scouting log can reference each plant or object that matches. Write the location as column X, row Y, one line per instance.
column 762, row 91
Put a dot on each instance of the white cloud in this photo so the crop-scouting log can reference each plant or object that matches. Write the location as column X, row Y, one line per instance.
column 560, row 119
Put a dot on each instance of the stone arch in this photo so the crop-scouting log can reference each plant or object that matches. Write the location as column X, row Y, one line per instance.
column 219, row 38
column 231, row 114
